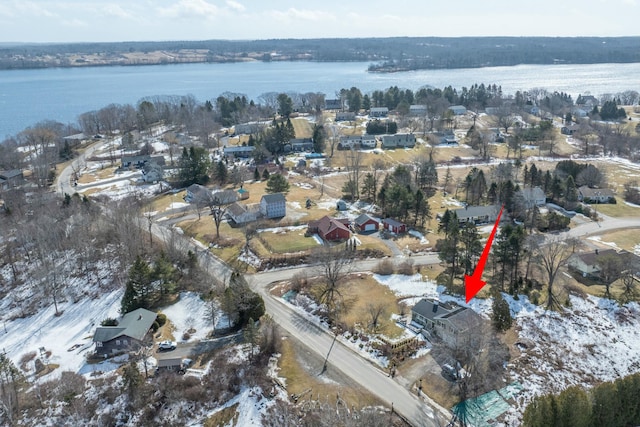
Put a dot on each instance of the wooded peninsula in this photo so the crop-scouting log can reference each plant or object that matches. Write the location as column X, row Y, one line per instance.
column 386, row 54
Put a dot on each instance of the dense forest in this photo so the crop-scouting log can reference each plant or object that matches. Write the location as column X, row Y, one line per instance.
column 386, row 54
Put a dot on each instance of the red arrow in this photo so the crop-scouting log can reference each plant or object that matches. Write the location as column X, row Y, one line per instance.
column 473, row 284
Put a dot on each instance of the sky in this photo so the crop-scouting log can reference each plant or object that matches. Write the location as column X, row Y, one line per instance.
column 154, row 20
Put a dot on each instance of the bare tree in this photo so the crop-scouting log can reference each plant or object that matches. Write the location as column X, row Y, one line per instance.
column 375, row 311
column 219, row 204
column 354, row 165
column 333, row 265
column 629, row 286
column 551, row 256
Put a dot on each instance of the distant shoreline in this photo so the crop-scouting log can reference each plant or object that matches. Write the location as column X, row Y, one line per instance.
column 385, row 55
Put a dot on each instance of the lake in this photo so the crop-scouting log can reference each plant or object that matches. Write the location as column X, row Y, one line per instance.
column 61, row 94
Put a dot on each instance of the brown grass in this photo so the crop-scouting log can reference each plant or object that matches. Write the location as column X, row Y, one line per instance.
column 361, row 291
column 300, row 377
column 223, row 417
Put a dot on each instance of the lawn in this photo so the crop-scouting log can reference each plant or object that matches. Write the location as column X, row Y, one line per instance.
column 620, row 209
column 624, row 239
column 162, row 203
column 288, row 241
column 302, row 128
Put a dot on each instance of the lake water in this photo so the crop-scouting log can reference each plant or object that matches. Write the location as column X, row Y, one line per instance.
column 61, row 94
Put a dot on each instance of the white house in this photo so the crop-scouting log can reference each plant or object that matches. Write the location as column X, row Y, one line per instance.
column 418, row 110
column 378, row 112
column 273, row 205
column 533, row 197
column 399, row 140
column 458, row 110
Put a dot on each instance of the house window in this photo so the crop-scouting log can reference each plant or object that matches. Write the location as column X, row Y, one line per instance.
column 98, row 343
column 117, row 342
column 124, row 342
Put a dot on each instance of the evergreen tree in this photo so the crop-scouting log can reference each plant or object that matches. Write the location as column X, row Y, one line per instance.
column 265, row 174
column 164, row 273
column 277, row 184
column 471, row 248
column 501, row 316
column 221, row 172
column 256, row 174
column 194, row 165
column 319, row 138
column 139, row 292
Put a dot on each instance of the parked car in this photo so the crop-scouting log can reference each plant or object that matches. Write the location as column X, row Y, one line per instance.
column 167, row 345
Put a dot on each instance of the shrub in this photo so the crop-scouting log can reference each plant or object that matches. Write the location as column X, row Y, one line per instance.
column 161, row 319
column 406, row 267
column 384, row 267
column 109, row 321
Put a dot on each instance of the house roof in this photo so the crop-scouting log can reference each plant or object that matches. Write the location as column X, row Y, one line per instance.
column 327, row 224
column 363, row 219
column 274, row 198
column 136, row 159
column 534, row 193
column 430, row 310
column 10, row 173
column 595, row 192
column 392, row 222
column 236, row 209
column 476, row 211
column 460, row 317
column 170, row 363
column 134, row 324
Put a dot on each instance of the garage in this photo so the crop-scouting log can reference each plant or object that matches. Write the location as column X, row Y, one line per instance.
column 370, row 227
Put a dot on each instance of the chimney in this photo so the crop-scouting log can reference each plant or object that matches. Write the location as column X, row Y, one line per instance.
column 139, row 316
column 596, row 251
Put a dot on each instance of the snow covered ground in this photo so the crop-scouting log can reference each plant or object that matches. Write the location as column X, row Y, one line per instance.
column 189, row 313
column 58, row 334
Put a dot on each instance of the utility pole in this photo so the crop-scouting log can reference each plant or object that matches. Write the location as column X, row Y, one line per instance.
column 326, row 359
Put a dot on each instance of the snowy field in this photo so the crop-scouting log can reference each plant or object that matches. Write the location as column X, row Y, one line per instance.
column 190, row 313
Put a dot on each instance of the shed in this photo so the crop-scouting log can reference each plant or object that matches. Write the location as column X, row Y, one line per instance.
column 365, row 223
column 394, row 226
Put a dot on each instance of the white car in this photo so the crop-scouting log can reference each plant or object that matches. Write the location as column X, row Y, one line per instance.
column 167, row 345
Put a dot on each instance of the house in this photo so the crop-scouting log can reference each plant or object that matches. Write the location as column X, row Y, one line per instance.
column 588, row 264
column 399, row 140
column 418, row 110
column 330, row 229
column 131, row 332
column 341, row 205
column 11, row 178
column 570, row 129
column 365, row 223
column 596, row 195
column 197, row 193
column 135, row 161
column 299, row 145
column 394, row 226
column 579, row 112
column 447, row 321
column 587, row 101
column 333, row 104
column 241, row 214
column 273, row 205
column 241, row 151
column 458, row 110
column 345, row 116
column 447, row 138
column 248, row 128
column 152, row 172
column 379, row 112
column 356, row 141
column 533, row 197
column 532, row 109
column 478, row 214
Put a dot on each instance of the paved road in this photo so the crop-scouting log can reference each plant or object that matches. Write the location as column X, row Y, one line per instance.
column 377, row 382
column 188, row 350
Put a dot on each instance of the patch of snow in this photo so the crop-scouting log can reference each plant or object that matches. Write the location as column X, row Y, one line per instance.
column 599, row 240
column 277, row 230
column 295, row 205
column 318, row 239
column 408, row 286
column 633, row 205
column 420, row 236
column 177, row 205
column 189, row 312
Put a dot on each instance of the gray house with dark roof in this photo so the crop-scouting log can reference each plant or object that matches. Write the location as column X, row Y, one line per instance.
column 479, row 214
column 130, row 333
column 447, row 321
column 273, row 205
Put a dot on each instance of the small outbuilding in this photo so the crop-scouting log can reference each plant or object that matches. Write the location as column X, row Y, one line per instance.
column 394, row 226
column 365, row 223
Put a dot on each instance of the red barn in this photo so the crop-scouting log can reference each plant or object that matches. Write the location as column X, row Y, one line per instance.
column 394, row 226
column 366, row 223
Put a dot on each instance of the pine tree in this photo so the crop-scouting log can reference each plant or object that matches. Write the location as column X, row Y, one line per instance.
column 256, row 174
column 277, row 184
column 139, row 292
column 501, row 315
column 265, row 174
column 221, row 172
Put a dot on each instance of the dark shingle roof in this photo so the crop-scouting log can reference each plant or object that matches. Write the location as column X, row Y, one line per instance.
column 134, row 324
column 274, row 198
